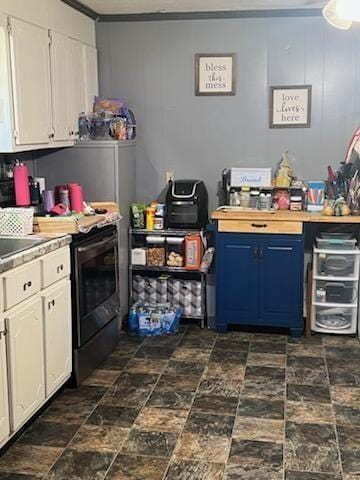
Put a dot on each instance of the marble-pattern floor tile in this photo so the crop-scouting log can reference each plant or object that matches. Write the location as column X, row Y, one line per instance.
column 215, row 404
column 194, row 470
column 254, row 455
column 18, row 476
column 309, row 412
column 233, row 371
column 180, row 383
column 161, row 419
column 311, row 448
column 155, row 352
column 106, row 415
column 148, row 365
column 220, row 386
column 259, row 429
column 175, row 367
column 61, row 412
column 102, row 378
column 264, row 382
column 266, row 360
column 115, row 362
column 303, row 350
column 202, row 447
column 135, row 467
column 184, row 354
column 232, row 344
column 308, row 393
column 256, row 407
column 122, row 396
column 349, row 441
column 219, row 355
column 208, row 424
column 346, row 373
column 306, row 370
column 239, row 472
column 29, row 459
column 171, row 341
column 171, row 399
column 74, row 465
column 267, row 347
column 99, row 439
column 310, row 476
column 49, row 434
column 144, row 442
column 86, row 394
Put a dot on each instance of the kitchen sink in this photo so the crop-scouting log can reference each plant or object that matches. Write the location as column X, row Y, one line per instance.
column 12, row 245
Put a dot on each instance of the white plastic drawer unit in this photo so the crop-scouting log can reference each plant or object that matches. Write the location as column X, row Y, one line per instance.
column 55, row 266
column 331, row 264
column 21, row 283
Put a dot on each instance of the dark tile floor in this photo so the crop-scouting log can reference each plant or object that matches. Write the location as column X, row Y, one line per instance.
column 202, row 406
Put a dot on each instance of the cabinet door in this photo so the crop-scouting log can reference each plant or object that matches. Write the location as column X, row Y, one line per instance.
column 281, row 281
column 57, row 327
column 4, row 399
column 91, row 76
column 60, row 87
column 31, row 82
column 26, row 360
column 77, row 83
column 236, row 279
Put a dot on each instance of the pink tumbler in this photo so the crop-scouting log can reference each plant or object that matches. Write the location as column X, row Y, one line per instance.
column 21, row 181
column 76, row 198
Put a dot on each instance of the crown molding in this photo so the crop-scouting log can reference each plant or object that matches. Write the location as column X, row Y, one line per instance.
column 80, row 7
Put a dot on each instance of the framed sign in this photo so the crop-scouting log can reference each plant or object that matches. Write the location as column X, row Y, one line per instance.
column 290, row 107
column 215, row 73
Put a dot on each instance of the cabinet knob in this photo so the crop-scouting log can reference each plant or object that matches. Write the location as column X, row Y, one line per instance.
column 51, row 135
column 60, row 268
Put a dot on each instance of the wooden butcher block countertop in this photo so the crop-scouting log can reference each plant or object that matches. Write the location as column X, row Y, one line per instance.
column 281, row 216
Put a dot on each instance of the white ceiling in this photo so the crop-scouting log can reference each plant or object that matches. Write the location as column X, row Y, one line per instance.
column 104, row 7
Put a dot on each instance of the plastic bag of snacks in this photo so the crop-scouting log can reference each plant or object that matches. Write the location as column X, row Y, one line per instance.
column 154, row 319
column 113, row 105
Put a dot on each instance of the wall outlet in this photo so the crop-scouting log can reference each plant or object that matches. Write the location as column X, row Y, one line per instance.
column 169, row 175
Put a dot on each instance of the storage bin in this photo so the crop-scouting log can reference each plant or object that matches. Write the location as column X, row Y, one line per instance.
column 335, row 264
column 335, row 292
column 155, row 251
column 175, row 251
column 336, row 242
column 150, row 290
column 186, row 295
column 334, row 319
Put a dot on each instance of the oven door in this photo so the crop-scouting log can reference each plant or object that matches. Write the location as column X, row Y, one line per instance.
column 97, row 293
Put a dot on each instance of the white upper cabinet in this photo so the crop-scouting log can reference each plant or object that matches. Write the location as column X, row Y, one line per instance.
column 30, row 69
column 77, row 83
column 60, row 88
column 4, row 401
column 91, row 76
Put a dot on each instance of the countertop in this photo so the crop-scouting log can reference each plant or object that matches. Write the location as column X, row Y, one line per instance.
column 53, row 242
column 282, row 216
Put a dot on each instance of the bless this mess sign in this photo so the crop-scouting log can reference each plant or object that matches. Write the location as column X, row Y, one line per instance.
column 215, row 74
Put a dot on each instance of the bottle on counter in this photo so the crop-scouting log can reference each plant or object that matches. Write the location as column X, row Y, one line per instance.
column 245, row 197
column 21, row 182
column 159, row 217
column 150, row 218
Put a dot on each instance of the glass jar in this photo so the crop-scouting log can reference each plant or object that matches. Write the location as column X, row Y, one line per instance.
column 296, row 203
column 254, row 199
column 283, row 199
column 245, row 197
column 155, row 255
column 175, row 251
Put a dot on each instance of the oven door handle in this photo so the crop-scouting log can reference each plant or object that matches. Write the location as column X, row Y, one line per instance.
column 95, row 246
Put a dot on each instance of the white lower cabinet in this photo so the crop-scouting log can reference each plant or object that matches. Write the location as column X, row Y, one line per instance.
column 26, row 359
column 56, row 302
column 4, row 399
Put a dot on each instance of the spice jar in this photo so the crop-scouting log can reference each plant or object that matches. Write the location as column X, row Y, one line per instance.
column 155, row 255
column 245, row 197
column 175, row 251
column 159, row 217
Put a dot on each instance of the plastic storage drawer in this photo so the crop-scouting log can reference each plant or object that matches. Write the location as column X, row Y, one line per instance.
column 330, row 291
column 150, row 290
column 186, row 295
column 334, row 319
column 337, row 264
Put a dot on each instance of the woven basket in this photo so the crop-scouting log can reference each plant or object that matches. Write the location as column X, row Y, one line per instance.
column 16, row 221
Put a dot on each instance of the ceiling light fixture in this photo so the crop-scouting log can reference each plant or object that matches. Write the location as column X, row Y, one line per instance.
column 334, row 13
column 348, row 10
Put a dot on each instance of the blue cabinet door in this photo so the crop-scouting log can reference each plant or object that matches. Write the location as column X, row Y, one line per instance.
column 281, row 261
column 236, row 280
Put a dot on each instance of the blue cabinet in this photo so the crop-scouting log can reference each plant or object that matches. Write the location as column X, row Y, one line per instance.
column 259, row 280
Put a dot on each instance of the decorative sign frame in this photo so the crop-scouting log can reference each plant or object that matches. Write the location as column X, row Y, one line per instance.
column 215, row 74
column 290, row 106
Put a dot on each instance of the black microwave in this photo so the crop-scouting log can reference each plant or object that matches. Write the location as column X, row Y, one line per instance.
column 7, row 192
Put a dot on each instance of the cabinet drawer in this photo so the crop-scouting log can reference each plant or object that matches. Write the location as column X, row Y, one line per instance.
column 21, row 283
column 55, row 266
column 260, row 226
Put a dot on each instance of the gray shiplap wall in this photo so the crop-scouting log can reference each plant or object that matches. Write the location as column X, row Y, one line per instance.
column 151, row 64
